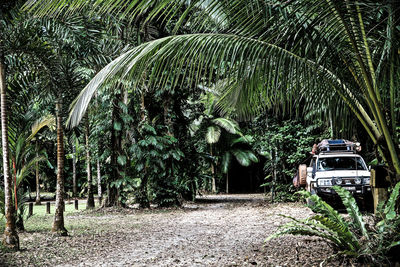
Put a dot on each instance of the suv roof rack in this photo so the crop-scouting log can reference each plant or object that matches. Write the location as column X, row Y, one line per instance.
column 337, row 152
column 336, row 146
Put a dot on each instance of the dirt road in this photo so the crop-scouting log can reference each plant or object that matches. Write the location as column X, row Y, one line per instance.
column 222, row 230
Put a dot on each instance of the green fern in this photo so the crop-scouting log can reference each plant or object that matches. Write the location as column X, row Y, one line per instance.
column 352, row 209
column 389, row 211
column 351, row 238
column 329, row 225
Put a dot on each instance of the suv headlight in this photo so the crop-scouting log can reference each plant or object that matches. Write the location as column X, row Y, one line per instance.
column 367, row 180
column 325, row 182
column 338, row 180
column 357, row 180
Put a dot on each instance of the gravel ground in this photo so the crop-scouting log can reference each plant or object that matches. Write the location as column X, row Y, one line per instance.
column 221, row 230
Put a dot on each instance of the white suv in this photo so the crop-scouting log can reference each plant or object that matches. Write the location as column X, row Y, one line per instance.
column 342, row 168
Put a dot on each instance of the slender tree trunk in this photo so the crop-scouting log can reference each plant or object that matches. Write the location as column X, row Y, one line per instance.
column 99, row 192
column 58, row 224
column 37, row 202
column 227, row 182
column 90, row 199
column 74, row 186
column 142, row 197
column 167, row 115
column 214, row 186
column 10, row 236
column 112, row 192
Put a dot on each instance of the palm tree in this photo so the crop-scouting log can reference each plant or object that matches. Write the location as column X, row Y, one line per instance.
column 58, row 223
column 233, row 142
column 47, row 120
column 213, row 127
column 236, row 148
column 264, row 52
column 10, row 236
column 213, row 134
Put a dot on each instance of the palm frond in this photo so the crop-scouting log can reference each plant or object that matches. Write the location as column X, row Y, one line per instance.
column 244, row 157
column 228, row 125
column 225, row 161
column 48, row 120
column 213, row 134
column 28, row 168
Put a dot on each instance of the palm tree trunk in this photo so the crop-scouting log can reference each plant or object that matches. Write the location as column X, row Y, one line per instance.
column 10, row 236
column 74, row 186
column 58, row 223
column 90, row 199
column 37, row 202
column 391, row 21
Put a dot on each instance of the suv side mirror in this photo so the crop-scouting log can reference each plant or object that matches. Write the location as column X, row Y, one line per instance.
column 369, row 167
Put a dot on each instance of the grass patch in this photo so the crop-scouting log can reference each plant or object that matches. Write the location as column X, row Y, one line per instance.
column 40, row 210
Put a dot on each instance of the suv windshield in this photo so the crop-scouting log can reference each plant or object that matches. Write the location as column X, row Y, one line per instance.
column 340, row 163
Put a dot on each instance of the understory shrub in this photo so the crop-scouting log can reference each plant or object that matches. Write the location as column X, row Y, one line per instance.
column 376, row 242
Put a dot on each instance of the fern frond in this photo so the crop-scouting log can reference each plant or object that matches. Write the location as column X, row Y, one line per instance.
column 352, row 209
column 325, row 209
column 346, row 239
column 389, row 212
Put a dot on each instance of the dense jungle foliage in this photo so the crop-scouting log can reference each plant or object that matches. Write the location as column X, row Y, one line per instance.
column 155, row 102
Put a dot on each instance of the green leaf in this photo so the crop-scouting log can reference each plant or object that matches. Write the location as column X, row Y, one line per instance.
column 242, row 157
column 352, row 209
column 117, row 126
column 176, row 155
column 121, row 160
column 225, row 162
column 397, row 243
column 389, row 210
column 152, row 140
column 228, row 125
column 213, row 134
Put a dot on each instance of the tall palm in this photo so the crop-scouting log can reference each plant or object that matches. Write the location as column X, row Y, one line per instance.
column 213, row 134
column 213, row 128
column 237, row 148
column 271, row 51
column 10, row 236
column 72, row 46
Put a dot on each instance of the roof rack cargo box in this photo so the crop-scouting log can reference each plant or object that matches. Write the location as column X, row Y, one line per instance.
column 337, row 145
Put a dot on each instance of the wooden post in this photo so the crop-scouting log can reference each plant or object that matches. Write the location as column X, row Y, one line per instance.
column 48, row 207
column 76, row 204
column 379, row 186
column 30, row 212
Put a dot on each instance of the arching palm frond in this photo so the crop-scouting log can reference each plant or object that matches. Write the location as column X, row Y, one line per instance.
column 48, row 120
column 251, row 66
column 228, row 125
column 266, row 53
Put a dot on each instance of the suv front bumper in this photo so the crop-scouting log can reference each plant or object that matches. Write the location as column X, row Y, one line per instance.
column 354, row 189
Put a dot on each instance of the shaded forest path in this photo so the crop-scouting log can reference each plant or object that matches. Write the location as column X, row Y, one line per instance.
column 220, row 230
